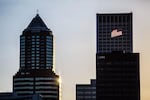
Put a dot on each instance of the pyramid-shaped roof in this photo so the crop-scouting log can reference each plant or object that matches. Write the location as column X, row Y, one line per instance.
column 37, row 24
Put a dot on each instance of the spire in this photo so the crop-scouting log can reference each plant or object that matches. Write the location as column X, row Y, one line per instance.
column 37, row 11
column 37, row 24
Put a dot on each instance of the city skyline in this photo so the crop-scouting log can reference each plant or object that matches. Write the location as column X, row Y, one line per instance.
column 69, row 27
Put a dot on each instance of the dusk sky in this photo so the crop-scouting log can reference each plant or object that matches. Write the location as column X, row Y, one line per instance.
column 73, row 23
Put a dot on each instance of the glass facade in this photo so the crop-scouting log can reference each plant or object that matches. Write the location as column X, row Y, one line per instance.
column 106, row 24
column 118, row 76
column 36, row 73
column 86, row 91
column 117, row 67
column 36, row 51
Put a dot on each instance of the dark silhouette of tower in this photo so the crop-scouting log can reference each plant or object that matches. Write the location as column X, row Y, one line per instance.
column 117, row 67
column 36, row 75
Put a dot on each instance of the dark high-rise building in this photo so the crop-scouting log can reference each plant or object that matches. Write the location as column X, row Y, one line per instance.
column 114, row 32
column 117, row 67
column 36, row 75
column 117, row 76
column 86, row 91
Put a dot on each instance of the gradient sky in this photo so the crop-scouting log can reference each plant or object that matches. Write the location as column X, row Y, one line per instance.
column 73, row 23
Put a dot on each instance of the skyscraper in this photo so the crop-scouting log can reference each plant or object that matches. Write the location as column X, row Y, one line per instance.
column 118, row 76
column 114, row 32
column 36, row 75
column 117, row 67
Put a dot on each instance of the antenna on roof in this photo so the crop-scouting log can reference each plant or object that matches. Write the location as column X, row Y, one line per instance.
column 37, row 11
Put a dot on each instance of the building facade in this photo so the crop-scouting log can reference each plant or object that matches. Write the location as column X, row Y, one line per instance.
column 117, row 67
column 13, row 96
column 36, row 74
column 118, row 76
column 86, row 91
column 114, row 32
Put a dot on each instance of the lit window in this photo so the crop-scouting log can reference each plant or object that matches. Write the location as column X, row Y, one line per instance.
column 33, row 48
column 33, row 55
column 48, row 64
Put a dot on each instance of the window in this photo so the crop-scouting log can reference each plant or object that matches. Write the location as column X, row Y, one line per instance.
column 33, row 51
column 33, row 55
column 49, row 58
column 37, row 58
column 37, row 54
column 33, row 39
column 48, row 53
column 22, row 37
column 42, row 49
column 22, row 65
column 48, row 64
column 22, row 49
column 33, row 42
column 37, row 42
column 22, row 53
column 37, row 51
column 37, row 48
column 32, row 58
column 48, row 37
column 37, row 39
column 37, row 36
column 22, row 62
column 22, row 43
column 33, row 48
column 42, row 65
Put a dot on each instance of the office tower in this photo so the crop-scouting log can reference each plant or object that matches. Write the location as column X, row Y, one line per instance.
column 36, row 75
column 117, row 67
column 114, row 32
column 86, row 91
column 117, row 76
